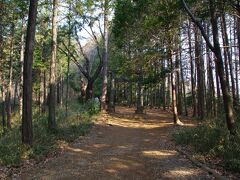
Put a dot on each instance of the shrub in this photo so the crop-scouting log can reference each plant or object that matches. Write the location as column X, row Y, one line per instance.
column 12, row 152
column 10, row 149
column 93, row 106
column 203, row 138
column 213, row 140
column 231, row 153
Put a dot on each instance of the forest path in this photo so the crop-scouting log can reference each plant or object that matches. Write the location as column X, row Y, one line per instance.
column 121, row 146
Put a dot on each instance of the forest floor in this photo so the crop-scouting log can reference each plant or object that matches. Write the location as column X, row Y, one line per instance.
column 121, row 146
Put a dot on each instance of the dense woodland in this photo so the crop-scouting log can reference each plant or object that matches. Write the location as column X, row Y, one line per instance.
column 182, row 56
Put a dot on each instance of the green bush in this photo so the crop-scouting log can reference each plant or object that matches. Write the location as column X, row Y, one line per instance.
column 203, row 138
column 12, row 152
column 93, row 106
column 231, row 153
column 214, row 140
column 10, row 149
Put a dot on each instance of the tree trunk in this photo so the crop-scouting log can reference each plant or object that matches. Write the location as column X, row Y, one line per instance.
column 183, row 85
column 15, row 94
column 89, row 89
column 3, row 107
column 236, row 61
column 62, row 90
column 9, row 93
column 193, row 86
column 2, row 76
column 169, row 89
column 68, row 58
column 219, row 63
column 151, row 96
column 21, row 71
column 105, row 58
column 45, row 91
column 83, row 89
column 131, row 94
column 27, row 133
column 140, row 106
column 200, row 70
column 164, row 93
column 174, row 91
column 238, row 38
column 52, row 93
column 147, row 96
column 218, row 91
column 178, row 85
column 111, row 107
column 226, row 66
column 163, row 88
column 59, row 91
column 228, row 57
column 211, row 104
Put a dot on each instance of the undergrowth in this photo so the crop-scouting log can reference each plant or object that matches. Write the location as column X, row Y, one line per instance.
column 213, row 139
column 77, row 123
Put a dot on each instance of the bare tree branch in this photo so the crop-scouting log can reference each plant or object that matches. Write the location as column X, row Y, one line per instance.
column 99, row 26
column 235, row 5
column 199, row 25
column 98, row 44
column 74, row 60
column 82, row 52
column 84, row 28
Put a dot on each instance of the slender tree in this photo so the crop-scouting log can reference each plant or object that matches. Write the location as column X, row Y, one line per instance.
column 68, row 57
column 9, row 92
column 174, row 89
column 21, row 69
column 52, row 80
column 105, row 57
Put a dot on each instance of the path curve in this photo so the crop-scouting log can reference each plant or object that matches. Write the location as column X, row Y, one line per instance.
column 121, row 146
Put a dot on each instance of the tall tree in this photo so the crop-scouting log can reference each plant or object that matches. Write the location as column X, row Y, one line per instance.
column 21, row 69
column 200, row 70
column 193, row 85
column 52, row 80
column 9, row 93
column 174, row 89
column 228, row 57
column 105, row 57
column 27, row 133
column 69, row 16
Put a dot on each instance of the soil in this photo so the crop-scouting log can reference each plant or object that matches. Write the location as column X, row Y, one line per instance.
column 124, row 146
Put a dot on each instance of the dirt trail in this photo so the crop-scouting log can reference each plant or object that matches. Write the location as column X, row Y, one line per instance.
column 126, row 147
